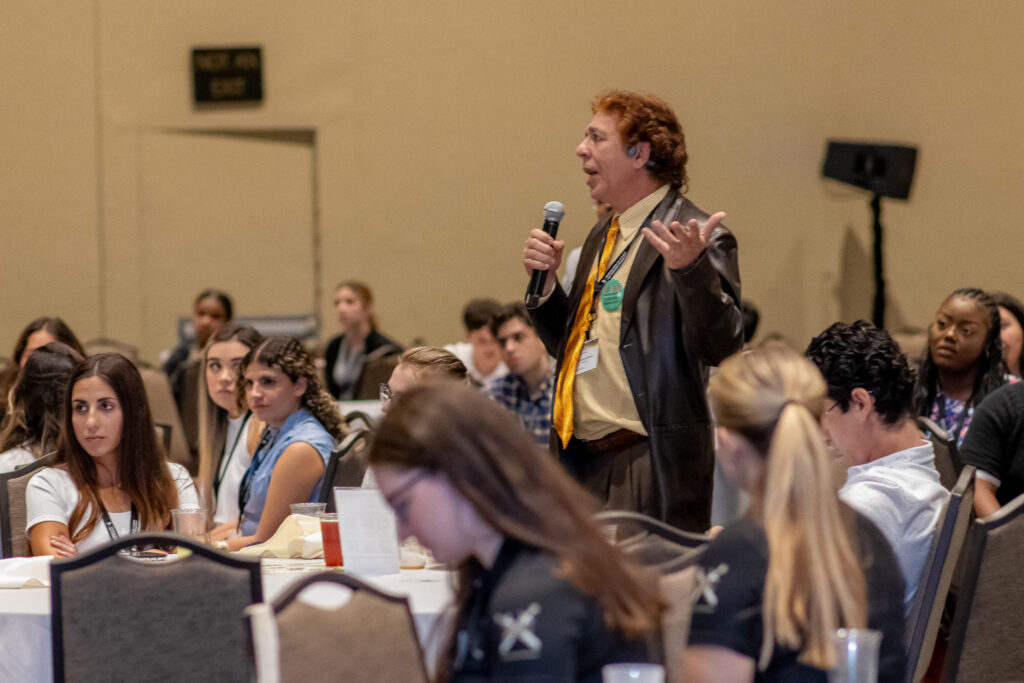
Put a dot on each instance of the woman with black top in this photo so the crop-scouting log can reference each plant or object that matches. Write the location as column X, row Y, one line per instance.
column 347, row 354
column 112, row 478
column 963, row 362
column 540, row 594
column 773, row 586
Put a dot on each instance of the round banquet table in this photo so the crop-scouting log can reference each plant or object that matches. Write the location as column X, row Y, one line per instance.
column 25, row 647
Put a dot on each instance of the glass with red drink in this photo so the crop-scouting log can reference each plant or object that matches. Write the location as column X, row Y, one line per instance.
column 332, row 539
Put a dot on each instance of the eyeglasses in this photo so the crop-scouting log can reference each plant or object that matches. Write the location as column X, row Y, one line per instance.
column 400, row 497
column 386, row 394
column 831, row 408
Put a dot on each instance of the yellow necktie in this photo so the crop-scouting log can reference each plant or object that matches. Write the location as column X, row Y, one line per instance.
column 562, row 416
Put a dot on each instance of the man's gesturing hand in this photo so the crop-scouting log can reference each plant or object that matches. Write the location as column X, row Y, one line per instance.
column 680, row 244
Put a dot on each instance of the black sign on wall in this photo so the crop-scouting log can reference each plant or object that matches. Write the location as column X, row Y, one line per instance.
column 227, row 74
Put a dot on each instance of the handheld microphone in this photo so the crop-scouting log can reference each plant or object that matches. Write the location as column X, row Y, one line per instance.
column 553, row 212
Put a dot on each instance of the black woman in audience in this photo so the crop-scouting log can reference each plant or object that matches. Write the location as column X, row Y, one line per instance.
column 347, row 354
column 283, row 389
column 38, row 332
column 773, row 586
column 228, row 432
column 540, row 594
column 33, row 423
column 1011, row 330
column 112, row 477
column 963, row 362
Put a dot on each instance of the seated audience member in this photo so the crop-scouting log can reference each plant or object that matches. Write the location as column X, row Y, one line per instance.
column 282, row 388
column 775, row 585
column 419, row 364
column 995, row 445
column 541, row 595
column 892, row 478
column 38, row 332
column 112, row 478
column 1011, row 330
column 32, row 426
column 527, row 388
column 480, row 353
column 210, row 311
column 228, row 432
column 963, row 363
column 359, row 343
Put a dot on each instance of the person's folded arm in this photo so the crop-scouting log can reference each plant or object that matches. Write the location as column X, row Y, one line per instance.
column 52, row 538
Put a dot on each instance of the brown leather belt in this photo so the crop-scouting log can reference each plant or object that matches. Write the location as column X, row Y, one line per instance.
column 615, row 441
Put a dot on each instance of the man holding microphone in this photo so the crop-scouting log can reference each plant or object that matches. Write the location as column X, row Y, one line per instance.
column 655, row 302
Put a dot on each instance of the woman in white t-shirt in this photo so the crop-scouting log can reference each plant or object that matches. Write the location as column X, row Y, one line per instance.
column 32, row 426
column 228, row 431
column 112, row 477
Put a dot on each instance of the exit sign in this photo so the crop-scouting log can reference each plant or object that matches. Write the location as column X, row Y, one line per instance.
column 227, row 74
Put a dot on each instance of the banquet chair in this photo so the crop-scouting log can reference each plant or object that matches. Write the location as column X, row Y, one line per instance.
column 922, row 626
column 121, row 618
column 984, row 638
column 677, row 589
column 353, row 418
column 346, row 466
column 650, row 542
column 377, row 369
column 165, row 411
column 371, row 638
column 947, row 462
column 12, row 506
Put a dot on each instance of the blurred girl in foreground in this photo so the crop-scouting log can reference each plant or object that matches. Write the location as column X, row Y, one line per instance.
column 112, row 478
column 228, row 432
column 778, row 582
column 283, row 389
column 465, row 479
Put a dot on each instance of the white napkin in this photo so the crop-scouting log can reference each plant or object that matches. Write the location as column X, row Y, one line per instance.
column 25, row 572
column 298, row 536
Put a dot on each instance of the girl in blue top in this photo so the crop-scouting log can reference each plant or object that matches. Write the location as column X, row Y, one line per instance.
column 283, row 389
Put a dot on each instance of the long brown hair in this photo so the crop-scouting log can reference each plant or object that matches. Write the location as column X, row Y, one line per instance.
column 491, row 462
column 773, row 398
column 60, row 332
column 213, row 420
column 288, row 355
column 36, row 404
column 142, row 466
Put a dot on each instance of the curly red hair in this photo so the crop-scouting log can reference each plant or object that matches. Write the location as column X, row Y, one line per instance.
column 645, row 118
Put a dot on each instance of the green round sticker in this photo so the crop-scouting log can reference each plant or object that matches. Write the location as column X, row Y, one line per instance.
column 611, row 295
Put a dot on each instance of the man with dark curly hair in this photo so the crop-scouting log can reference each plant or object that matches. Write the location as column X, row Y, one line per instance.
column 654, row 303
column 869, row 419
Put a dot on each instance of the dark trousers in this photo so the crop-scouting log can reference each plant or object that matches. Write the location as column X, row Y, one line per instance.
column 621, row 479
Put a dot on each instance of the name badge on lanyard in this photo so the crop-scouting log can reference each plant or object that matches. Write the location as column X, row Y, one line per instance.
column 588, row 357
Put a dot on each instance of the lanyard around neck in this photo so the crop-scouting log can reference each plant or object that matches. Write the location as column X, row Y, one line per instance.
column 225, row 456
column 244, row 491
column 133, row 527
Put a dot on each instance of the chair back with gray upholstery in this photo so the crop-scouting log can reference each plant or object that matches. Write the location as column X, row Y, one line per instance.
column 120, row 618
column 650, row 542
column 13, row 516
column 347, row 465
column 371, row 638
column 922, row 626
column 947, row 461
column 985, row 636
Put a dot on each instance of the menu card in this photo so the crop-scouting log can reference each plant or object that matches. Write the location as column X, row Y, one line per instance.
column 369, row 532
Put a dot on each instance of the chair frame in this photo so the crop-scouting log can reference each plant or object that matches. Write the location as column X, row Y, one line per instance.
column 59, row 567
column 928, row 603
column 974, row 554
column 353, row 584
column 949, row 442
column 334, row 462
column 5, row 502
column 352, row 415
column 688, row 539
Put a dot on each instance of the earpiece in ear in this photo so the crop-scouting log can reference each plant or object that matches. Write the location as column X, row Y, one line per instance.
column 631, row 152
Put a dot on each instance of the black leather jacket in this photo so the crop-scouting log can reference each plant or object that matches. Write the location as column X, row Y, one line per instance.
column 675, row 325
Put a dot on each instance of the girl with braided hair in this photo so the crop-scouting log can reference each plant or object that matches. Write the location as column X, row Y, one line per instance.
column 963, row 362
column 283, row 389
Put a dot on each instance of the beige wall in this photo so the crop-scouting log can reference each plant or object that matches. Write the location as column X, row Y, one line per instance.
column 442, row 128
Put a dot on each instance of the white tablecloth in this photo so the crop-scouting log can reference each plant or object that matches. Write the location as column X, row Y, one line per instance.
column 26, row 654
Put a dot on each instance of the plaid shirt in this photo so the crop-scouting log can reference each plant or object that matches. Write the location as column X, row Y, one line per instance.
column 534, row 410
